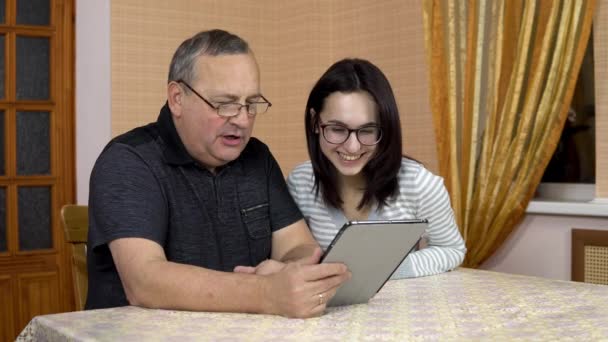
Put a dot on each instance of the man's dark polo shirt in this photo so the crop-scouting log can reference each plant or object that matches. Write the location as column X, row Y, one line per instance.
column 144, row 184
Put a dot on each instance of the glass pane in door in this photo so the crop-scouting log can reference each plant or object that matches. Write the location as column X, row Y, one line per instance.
column 34, row 218
column 3, row 219
column 2, row 11
column 2, row 143
column 33, row 143
column 33, row 68
column 2, row 66
column 33, row 12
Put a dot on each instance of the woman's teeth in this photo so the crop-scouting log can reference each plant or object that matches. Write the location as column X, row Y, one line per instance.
column 349, row 157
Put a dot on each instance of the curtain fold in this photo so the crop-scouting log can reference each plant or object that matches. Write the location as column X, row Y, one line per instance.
column 502, row 74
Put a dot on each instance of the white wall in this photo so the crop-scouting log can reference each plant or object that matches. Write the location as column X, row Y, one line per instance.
column 541, row 246
column 93, row 88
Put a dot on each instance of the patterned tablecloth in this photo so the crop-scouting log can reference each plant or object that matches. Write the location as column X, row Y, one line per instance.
column 460, row 305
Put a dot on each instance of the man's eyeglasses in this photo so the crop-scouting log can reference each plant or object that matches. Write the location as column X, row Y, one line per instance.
column 338, row 134
column 231, row 109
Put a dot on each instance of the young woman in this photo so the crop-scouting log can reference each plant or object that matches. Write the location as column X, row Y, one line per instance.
column 357, row 170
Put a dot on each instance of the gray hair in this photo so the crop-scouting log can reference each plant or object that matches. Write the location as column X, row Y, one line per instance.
column 210, row 43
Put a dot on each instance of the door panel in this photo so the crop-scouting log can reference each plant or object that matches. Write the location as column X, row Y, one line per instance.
column 36, row 158
column 7, row 324
column 38, row 294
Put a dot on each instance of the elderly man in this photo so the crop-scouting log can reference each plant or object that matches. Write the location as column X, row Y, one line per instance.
column 177, row 206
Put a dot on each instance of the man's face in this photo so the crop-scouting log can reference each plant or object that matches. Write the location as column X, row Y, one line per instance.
column 211, row 139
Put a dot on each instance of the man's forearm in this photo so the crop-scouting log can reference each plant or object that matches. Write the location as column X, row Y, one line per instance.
column 292, row 291
column 169, row 285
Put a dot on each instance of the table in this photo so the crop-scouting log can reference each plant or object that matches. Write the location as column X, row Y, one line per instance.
column 463, row 304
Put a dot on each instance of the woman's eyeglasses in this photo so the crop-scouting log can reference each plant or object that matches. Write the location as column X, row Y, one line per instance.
column 338, row 134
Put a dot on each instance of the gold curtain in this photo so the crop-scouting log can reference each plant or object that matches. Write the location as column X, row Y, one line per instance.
column 502, row 74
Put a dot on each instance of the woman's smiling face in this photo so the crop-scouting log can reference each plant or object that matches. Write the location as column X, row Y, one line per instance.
column 351, row 111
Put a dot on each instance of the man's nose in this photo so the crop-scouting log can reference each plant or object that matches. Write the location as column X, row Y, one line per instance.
column 242, row 119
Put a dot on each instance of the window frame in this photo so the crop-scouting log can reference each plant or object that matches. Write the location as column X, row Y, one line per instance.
column 578, row 199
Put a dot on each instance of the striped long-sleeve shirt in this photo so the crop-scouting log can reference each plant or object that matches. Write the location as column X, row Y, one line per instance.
column 422, row 195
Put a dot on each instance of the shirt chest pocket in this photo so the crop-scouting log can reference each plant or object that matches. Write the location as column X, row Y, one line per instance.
column 256, row 220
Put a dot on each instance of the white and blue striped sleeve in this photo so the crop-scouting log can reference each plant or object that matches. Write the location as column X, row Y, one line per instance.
column 446, row 248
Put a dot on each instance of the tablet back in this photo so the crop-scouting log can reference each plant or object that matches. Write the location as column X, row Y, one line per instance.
column 372, row 250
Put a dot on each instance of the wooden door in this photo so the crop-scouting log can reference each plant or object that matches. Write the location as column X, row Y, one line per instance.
column 36, row 158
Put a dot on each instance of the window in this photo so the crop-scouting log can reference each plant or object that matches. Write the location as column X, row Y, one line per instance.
column 570, row 174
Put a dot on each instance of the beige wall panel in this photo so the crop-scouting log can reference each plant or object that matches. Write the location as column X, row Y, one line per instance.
column 600, row 41
column 146, row 33
column 303, row 50
column 294, row 41
column 391, row 35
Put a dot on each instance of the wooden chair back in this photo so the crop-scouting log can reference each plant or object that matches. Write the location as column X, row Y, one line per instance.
column 75, row 220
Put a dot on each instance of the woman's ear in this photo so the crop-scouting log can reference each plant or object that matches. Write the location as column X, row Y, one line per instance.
column 313, row 119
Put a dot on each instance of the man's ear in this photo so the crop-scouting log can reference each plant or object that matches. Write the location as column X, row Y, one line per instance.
column 175, row 97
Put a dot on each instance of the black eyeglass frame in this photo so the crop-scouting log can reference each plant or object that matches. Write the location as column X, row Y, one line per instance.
column 350, row 131
column 217, row 108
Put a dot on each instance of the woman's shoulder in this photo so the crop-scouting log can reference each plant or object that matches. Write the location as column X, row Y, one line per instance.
column 411, row 163
column 410, row 166
column 301, row 181
column 302, row 170
column 411, row 170
column 302, row 173
column 303, row 167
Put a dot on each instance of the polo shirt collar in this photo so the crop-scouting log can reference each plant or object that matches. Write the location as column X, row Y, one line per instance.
column 175, row 152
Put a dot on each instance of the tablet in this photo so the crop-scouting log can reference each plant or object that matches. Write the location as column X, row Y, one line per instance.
column 372, row 250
